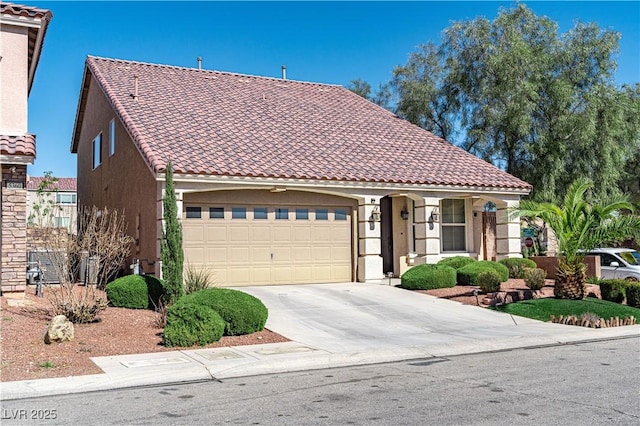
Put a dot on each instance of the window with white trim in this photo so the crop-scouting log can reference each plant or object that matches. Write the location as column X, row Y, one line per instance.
column 66, row 198
column 97, row 151
column 453, row 226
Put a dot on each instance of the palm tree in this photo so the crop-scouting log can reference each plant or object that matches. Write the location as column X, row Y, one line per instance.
column 579, row 226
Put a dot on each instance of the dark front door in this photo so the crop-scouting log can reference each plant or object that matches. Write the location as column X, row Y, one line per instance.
column 386, row 234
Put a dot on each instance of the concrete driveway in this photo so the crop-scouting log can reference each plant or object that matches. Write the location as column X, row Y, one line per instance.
column 357, row 316
column 330, row 325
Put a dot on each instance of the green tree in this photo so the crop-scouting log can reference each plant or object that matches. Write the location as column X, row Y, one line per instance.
column 539, row 104
column 580, row 224
column 424, row 94
column 44, row 208
column 171, row 245
column 381, row 97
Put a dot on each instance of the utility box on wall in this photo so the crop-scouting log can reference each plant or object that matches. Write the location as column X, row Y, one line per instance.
column 42, row 259
column 89, row 269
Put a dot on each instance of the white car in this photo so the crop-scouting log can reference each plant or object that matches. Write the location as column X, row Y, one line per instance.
column 618, row 263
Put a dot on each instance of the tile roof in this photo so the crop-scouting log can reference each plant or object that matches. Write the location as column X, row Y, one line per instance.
column 62, row 184
column 18, row 145
column 26, row 11
column 219, row 123
column 27, row 16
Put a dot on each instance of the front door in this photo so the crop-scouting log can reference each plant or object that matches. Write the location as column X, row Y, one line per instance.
column 386, row 234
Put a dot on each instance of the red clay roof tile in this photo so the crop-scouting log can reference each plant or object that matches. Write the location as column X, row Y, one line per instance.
column 18, row 145
column 219, row 123
column 26, row 11
column 62, row 184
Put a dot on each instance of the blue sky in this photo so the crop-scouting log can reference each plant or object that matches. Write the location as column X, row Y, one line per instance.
column 327, row 42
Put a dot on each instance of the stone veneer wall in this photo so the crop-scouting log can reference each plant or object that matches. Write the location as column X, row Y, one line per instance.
column 13, row 239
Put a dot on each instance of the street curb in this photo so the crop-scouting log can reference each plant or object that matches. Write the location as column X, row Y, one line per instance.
column 197, row 369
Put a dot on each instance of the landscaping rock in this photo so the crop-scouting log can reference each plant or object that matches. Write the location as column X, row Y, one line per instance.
column 60, row 329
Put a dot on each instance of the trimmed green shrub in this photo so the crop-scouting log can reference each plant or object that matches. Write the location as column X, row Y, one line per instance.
column 456, row 262
column 503, row 271
column 633, row 294
column 428, row 276
column 613, row 290
column 243, row 313
column 489, row 281
column 534, row 278
column 189, row 324
column 516, row 266
column 468, row 275
column 135, row 292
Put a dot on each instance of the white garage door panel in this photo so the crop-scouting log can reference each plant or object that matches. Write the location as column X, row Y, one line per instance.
column 302, row 254
column 261, row 255
column 270, row 251
column 322, row 254
column 239, row 234
column 239, row 255
column 214, row 232
column 260, row 234
column 195, row 254
column 238, row 275
column 194, row 233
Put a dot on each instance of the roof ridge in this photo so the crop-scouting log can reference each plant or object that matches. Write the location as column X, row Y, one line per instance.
column 236, row 74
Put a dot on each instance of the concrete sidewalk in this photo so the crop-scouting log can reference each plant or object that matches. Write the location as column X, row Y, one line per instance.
column 330, row 325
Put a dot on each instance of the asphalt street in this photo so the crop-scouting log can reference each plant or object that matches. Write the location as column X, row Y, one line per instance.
column 596, row 383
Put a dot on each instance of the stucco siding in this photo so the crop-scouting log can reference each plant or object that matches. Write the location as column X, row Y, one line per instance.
column 14, row 77
column 122, row 180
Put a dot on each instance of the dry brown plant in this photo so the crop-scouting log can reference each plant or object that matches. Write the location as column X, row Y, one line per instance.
column 92, row 257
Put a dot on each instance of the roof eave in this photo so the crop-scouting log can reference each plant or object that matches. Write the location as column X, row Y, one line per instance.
column 39, row 40
column 299, row 183
column 82, row 103
column 17, row 159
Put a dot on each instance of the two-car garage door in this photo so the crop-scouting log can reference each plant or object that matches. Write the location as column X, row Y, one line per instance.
column 255, row 242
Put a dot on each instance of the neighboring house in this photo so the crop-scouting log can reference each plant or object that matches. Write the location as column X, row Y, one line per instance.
column 280, row 181
column 22, row 31
column 60, row 198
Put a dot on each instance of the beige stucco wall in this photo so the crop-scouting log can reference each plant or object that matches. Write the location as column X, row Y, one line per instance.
column 48, row 200
column 122, row 181
column 14, row 76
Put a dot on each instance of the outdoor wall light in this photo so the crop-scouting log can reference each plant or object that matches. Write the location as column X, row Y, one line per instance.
column 435, row 214
column 375, row 214
column 404, row 213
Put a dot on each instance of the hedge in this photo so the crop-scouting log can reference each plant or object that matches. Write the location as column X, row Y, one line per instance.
column 468, row 275
column 189, row 324
column 456, row 262
column 135, row 292
column 516, row 266
column 633, row 294
column 613, row 290
column 428, row 276
column 242, row 313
